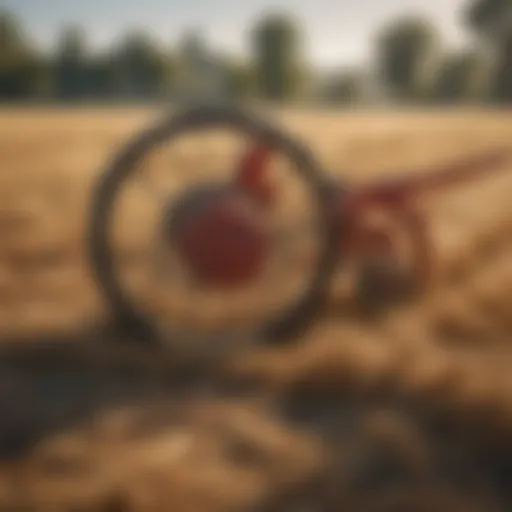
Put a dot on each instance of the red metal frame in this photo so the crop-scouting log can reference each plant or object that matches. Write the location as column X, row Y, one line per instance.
column 395, row 197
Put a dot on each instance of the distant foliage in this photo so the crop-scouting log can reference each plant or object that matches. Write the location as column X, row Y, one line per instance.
column 347, row 88
column 407, row 57
column 464, row 77
column 240, row 79
column 491, row 17
column 491, row 20
column 502, row 89
column 140, row 69
column 103, row 77
column 411, row 65
column 276, row 42
column 71, row 66
column 201, row 71
column 23, row 73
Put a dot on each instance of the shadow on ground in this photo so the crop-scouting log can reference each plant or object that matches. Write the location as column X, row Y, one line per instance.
column 89, row 424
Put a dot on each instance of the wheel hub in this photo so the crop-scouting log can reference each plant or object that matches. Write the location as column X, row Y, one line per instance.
column 220, row 235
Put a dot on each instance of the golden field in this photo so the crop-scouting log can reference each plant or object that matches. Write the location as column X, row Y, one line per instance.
column 413, row 412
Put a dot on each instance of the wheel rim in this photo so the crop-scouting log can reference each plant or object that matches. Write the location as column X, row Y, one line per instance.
column 285, row 325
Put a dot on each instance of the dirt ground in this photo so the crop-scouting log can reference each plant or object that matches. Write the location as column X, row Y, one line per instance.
column 412, row 412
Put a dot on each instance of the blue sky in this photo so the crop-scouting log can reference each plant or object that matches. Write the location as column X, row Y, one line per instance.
column 337, row 31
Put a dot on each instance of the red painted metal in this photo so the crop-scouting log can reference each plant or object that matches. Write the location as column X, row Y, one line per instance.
column 436, row 178
column 252, row 178
column 224, row 243
column 222, row 237
column 395, row 197
column 361, row 241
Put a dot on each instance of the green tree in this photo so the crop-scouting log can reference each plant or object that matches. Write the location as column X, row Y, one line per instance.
column 23, row 73
column 407, row 55
column 490, row 17
column 348, row 87
column 276, row 41
column 141, row 69
column 102, row 78
column 240, row 79
column 492, row 22
column 71, row 64
column 203, row 73
column 463, row 76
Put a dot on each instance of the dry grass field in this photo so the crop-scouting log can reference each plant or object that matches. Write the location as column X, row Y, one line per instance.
column 410, row 413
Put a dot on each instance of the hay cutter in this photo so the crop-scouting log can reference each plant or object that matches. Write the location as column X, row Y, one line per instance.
column 224, row 232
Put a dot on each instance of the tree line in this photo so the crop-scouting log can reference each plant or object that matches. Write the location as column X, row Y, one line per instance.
column 410, row 64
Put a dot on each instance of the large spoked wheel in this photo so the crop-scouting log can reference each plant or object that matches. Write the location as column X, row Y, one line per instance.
column 286, row 320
